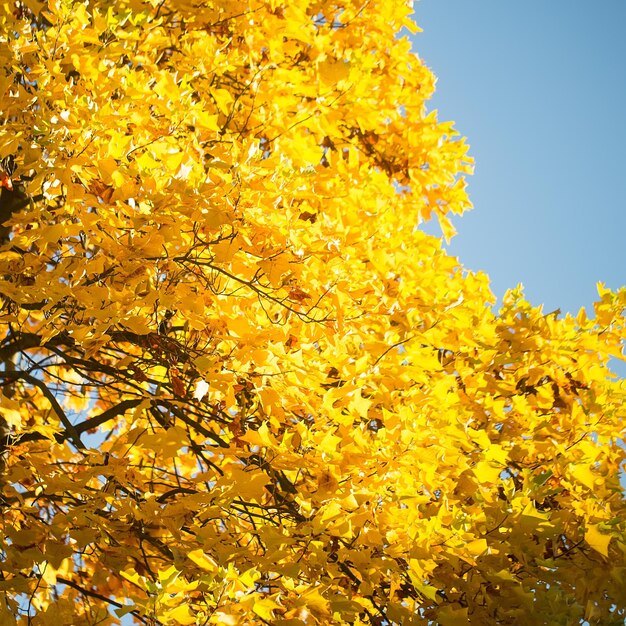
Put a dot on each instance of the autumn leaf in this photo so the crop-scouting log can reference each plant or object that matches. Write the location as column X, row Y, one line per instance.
column 202, row 388
column 598, row 540
column 178, row 384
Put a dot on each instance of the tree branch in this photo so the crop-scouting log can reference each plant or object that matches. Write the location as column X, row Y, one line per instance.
column 107, row 415
column 98, row 596
column 72, row 434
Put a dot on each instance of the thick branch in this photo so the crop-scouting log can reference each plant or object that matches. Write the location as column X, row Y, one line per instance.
column 98, row 596
column 107, row 415
column 72, row 433
column 27, row 341
column 88, row 424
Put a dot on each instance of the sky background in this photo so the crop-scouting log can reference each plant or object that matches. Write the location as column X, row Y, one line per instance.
column 539, row 90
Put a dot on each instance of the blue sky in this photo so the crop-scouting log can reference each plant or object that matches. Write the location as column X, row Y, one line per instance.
column 539, row 89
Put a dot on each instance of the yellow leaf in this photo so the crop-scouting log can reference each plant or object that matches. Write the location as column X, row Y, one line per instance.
column 331, row 72
column 487, row 472
column 132, row 576
column 249, row 486
column 598, row 540
column 260, row 437
column 313, row 600
column 359, row 404
column 584, row 475
column 476, row 547
column 137, row 324
column 168, row 574
column 531, row 512
column 181, row 615
column 202, row 388
column 453, row 616
column 223, row 99
column 9, row 410
column 202, row 560
column 264, row 608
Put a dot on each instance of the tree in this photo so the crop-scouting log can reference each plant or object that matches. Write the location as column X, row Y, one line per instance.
column 239, row 384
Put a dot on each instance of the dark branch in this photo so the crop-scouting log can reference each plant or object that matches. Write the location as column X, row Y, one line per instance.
column 98, row 596
column 107, row 415
column 72, row 433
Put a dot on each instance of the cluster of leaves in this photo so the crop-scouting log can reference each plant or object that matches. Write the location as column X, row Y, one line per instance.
column 238, row 383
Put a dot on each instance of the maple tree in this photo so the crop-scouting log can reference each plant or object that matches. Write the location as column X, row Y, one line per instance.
column 239, row 384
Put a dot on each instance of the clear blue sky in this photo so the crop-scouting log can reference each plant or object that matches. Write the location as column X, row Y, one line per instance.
column 539, row 90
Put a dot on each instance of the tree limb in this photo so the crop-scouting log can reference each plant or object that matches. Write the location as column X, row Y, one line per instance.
column 72, row 434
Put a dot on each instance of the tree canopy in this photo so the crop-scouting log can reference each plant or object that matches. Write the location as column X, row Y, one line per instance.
column 238, row 383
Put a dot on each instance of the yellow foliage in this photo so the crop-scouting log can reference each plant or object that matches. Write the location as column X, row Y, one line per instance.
column 240, row 385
